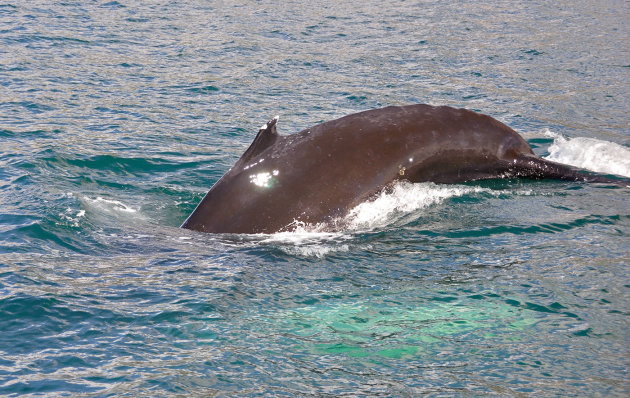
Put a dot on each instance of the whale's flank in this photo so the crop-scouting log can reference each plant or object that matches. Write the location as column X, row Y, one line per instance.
column 317, row 175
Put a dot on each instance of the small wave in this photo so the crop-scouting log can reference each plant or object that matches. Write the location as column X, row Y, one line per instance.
column 118, row 164
column 591, row 154
column 318, row 250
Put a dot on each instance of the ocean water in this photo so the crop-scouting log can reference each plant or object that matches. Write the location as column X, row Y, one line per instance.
column 116, row 117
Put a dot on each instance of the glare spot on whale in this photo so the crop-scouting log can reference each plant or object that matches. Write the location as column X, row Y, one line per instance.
column 264, row 179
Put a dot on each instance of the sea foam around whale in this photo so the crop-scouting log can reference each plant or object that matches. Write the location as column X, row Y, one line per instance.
column 590, row 154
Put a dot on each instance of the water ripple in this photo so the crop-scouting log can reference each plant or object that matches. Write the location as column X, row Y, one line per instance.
column 116, row 117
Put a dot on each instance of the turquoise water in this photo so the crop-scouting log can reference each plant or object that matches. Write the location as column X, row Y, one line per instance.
column 117, row 117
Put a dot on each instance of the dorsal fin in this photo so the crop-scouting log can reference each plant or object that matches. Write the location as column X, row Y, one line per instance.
column 267, row 136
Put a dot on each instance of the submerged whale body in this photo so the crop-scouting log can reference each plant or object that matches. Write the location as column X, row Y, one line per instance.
column 319, row 174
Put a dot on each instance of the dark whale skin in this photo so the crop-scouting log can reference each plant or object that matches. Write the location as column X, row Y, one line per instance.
column 317, row 175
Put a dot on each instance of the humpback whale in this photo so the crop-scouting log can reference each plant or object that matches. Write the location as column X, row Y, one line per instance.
column 319, row 174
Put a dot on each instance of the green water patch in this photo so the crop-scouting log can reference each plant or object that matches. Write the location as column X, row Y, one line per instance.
column 386, row 330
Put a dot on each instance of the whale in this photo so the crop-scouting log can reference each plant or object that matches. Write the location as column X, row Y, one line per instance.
column 316, row 176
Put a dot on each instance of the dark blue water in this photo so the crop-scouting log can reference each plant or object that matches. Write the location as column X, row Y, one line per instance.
column 117, row 116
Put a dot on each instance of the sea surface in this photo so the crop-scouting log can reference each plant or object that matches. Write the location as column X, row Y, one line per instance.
column 116, row 117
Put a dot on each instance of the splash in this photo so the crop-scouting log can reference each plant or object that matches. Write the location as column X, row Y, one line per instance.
column 72, row 219
column 309, row 241
column 591, row 154
column 403, row 202
column 404, row 199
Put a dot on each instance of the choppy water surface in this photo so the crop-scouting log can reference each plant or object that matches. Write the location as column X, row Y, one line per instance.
column 116, row 117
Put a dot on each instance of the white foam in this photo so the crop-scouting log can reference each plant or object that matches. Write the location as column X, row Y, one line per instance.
column 109, row 209
column 108, row 205
column 591, row 154
column 399, row 204
column 74, row 220
column 308, row 241
column 402, row 200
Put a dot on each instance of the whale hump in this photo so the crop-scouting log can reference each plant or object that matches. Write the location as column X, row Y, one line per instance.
column 266, row 137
